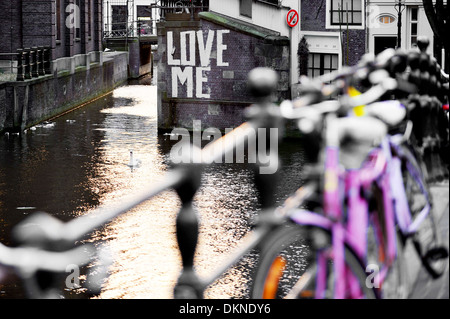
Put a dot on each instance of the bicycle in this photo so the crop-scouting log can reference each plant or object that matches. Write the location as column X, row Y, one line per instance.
column 342, row 247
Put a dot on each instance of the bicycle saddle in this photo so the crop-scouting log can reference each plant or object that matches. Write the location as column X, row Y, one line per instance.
column 358, row 136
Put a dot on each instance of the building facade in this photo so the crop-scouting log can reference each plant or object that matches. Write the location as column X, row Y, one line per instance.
column 334, row 30
column 267, row 14
column 132, row 17
column 69, row 27
column 204, row 60
column 383, row 26
column 76, row 69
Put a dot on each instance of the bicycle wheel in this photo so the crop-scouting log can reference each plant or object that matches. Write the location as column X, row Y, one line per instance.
column 426, row 238
column 288, row 267
column 395, row 285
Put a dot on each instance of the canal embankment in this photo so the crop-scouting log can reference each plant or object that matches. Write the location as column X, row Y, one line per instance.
column 74, row 81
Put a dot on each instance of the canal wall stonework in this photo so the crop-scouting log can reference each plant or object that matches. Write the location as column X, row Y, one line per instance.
column 26, row 103
column 203, row 67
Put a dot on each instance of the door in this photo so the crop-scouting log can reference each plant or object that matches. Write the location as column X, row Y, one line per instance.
column 383, row 43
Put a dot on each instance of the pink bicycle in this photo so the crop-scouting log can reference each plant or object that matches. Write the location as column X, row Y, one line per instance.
column 361, row 202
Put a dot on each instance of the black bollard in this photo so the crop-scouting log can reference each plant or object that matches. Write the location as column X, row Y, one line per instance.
column 40, row 62
column 263, row 84
column 20, row 72
column 47, row 60
column 27, row 63
column 34, row 65
column 187, row 230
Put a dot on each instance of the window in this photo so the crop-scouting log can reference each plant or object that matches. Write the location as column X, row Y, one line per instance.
column 58, row 19
column 414, row 25
column 345, row 12
column 321, row 63
column 386, row 19
column 245, row 8
column 274, row 2
column 144, row 16
column 119, row 18
column 89, row 17
column 384, row 42
column 77, row 17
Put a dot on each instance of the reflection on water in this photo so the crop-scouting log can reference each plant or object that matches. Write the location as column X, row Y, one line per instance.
column 78, row 161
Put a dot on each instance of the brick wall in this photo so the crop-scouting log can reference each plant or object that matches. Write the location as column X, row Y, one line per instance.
column 10, row 26
column 313, row 15
column 223, row 95
column 51, row 95
column 28, row 23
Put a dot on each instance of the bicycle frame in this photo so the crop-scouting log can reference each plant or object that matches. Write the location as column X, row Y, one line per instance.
column 383, row 169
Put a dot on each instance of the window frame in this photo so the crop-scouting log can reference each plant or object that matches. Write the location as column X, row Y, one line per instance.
column 413, row 23
column 58, row 21
column 90, row 14
column 246, row 8
column 321, row 67
column 78, row 17
column 334, row 26
column 385, row 16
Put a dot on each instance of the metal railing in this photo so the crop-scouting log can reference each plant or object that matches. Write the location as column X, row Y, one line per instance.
column 135, row 29
column 128, row 23
column 31, row 63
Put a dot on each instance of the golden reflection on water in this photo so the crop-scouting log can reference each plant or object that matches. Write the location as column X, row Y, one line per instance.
column 143, row 243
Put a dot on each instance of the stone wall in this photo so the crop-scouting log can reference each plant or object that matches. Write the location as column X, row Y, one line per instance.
column 24, row 104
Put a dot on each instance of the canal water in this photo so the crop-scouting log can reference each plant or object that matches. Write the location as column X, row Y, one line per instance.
column 76, row 162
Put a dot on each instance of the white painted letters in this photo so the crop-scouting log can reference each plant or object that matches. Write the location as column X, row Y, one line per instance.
column 184, row 51
column 184, row 76
column 221, row 47
column 188, row 43
column 171, row 50
column 200, row 80
column 205, row 51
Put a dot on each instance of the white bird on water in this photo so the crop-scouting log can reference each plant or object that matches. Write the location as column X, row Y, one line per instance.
column 134, row 162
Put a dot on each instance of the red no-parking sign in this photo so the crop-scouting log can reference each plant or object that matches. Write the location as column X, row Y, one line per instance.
column 292, row 18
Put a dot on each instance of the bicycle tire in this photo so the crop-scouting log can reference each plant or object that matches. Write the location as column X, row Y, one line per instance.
column 275, row 247
column 427, row 237
column 395, row 285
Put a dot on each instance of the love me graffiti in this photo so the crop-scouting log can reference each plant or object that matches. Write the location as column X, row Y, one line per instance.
column 185, row 70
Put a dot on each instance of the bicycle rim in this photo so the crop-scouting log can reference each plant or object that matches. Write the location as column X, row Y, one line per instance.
column 427, row 236
column 282, row 261
column 395, row 285
column 280, row 274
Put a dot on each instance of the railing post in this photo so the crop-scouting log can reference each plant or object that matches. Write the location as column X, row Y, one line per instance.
column 40, row 59
column 187, row 227
column 47, row 59
column 34, row 65
column 27, row 63
column 20, row 75
column 263, row 84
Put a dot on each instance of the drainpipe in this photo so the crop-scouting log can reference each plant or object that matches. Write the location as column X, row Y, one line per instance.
column 366, row 4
